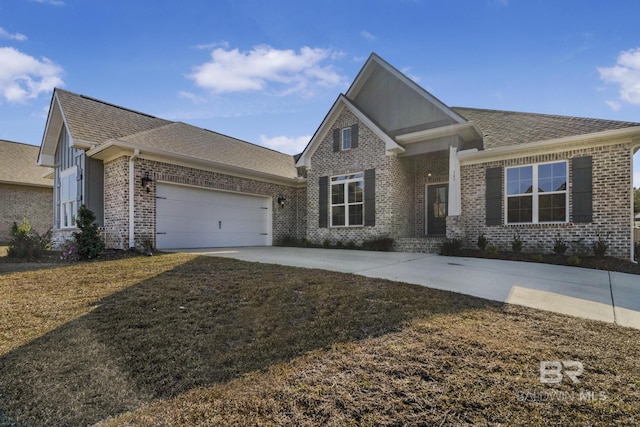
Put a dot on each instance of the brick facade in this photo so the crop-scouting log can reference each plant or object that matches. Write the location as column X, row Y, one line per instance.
column 287, row 220
column 400, row 186
column 21, row 201
column 611, row 205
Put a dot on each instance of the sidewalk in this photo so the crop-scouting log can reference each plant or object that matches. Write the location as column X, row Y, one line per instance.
column 591, row 294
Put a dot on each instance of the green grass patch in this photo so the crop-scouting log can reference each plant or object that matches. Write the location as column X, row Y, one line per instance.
column 180, row 340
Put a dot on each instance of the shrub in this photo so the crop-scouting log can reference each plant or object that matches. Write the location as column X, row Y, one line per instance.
column 538, row 258
column 600, row 247
column 383, row 244
column 68, row 251
column 352, row 245
column 289, row 240
column 492, row 250
column 339, row 244
column 451, row 247
column 482, row 242
column 559, row 246
column 516, row 243
column 26, row 242
column 636, row 250
column 326, row 243
column 574, row 261
column 88, row 242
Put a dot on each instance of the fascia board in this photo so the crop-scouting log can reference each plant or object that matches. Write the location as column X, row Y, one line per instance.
column 467, row 132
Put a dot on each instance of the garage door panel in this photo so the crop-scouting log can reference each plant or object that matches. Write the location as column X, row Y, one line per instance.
column 190, row 217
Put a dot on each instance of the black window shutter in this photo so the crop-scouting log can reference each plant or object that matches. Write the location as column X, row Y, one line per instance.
column 323, row 203
column 336, row 140
column 370, row 197
column 354, row 136
column 493, row 196
column 582, row 189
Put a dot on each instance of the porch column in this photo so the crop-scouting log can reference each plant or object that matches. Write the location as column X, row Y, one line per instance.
column 455, row 195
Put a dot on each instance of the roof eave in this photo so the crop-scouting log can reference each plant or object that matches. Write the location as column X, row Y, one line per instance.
column 116, row 148
column 608, row 137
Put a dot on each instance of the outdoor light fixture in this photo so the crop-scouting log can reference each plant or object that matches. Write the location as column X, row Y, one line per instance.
column 281, row 201
column 146, row 182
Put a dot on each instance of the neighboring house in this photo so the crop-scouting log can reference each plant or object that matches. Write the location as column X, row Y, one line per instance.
column 24, row 192
column 389, row 159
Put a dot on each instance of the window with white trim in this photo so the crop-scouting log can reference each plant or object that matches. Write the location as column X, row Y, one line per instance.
column 347, row 200
column 537, row 193
column 68, row 197
column 346, row 138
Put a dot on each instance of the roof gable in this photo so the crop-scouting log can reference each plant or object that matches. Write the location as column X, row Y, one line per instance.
column 18, row 165
column 395, row 102
column 341, row 103
column 89, row 122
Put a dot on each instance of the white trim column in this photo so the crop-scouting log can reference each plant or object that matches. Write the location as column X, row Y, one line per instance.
column 455, row 194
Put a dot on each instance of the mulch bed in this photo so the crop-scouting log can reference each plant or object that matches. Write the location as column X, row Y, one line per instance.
column 596, row 263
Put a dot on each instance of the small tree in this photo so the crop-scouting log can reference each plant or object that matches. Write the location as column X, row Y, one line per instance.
column 89, row 244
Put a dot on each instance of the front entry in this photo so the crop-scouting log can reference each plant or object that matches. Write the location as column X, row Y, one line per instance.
column 436, row 209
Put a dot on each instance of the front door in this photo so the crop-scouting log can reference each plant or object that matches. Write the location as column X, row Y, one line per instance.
column 436, row 209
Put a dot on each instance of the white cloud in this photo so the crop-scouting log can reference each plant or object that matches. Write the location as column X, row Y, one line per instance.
column 4, row 34
column 213, row 45
column 286, row 144
column 24, row 77
column 51, row 2
column 264, row 67
column 625, row 73
column 614, row 105
column 191, row 97
column 367, row 35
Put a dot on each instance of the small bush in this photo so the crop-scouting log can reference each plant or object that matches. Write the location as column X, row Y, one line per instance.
column 574, row 261
column 68, row 251
column 516, row 243
column 383, row 244
column 352, row 245
column 538, row 258
column 600, row 247
column 636, row 250
column 482, row 242
column 88, row 242
column 451, row 247
column 559, row 246
column 26, row 242
column 326, row 243
column 289, row 240
column 492, row 250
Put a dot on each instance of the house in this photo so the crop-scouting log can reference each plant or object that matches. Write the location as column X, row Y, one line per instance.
column 24, row 191
column 388, row 159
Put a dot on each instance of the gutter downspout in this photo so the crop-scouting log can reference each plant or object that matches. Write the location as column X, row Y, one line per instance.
column 132, row 175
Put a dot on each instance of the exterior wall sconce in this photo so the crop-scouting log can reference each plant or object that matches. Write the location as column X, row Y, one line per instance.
column 146, row 182
column 281, row 201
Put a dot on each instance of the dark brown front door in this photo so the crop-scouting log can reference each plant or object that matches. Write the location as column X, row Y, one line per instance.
column 437, row 195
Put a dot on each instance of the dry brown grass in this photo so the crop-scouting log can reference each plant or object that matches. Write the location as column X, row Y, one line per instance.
column 205, row 341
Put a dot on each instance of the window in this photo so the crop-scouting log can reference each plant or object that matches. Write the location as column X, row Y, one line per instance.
column 347, row 200
column 346, row 138
column 537, row 193
column 68, row 196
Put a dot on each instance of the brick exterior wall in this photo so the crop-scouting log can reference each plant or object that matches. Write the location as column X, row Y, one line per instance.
column 21, row 201
column 286, row 220
column 611, row 205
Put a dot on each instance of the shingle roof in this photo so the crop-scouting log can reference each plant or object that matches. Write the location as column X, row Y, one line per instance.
column 18, row 165
column 206, row 145
column 95, row 121
column 506, row 128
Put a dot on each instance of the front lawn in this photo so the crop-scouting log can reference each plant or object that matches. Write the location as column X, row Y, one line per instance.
column 184, row 340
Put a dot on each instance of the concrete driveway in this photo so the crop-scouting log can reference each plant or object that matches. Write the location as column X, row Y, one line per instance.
column 591, row 294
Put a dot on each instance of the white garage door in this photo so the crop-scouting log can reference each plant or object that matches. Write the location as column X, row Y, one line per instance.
column 188, row 217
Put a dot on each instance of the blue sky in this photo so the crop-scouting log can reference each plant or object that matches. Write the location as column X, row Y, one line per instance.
column 268, row 71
